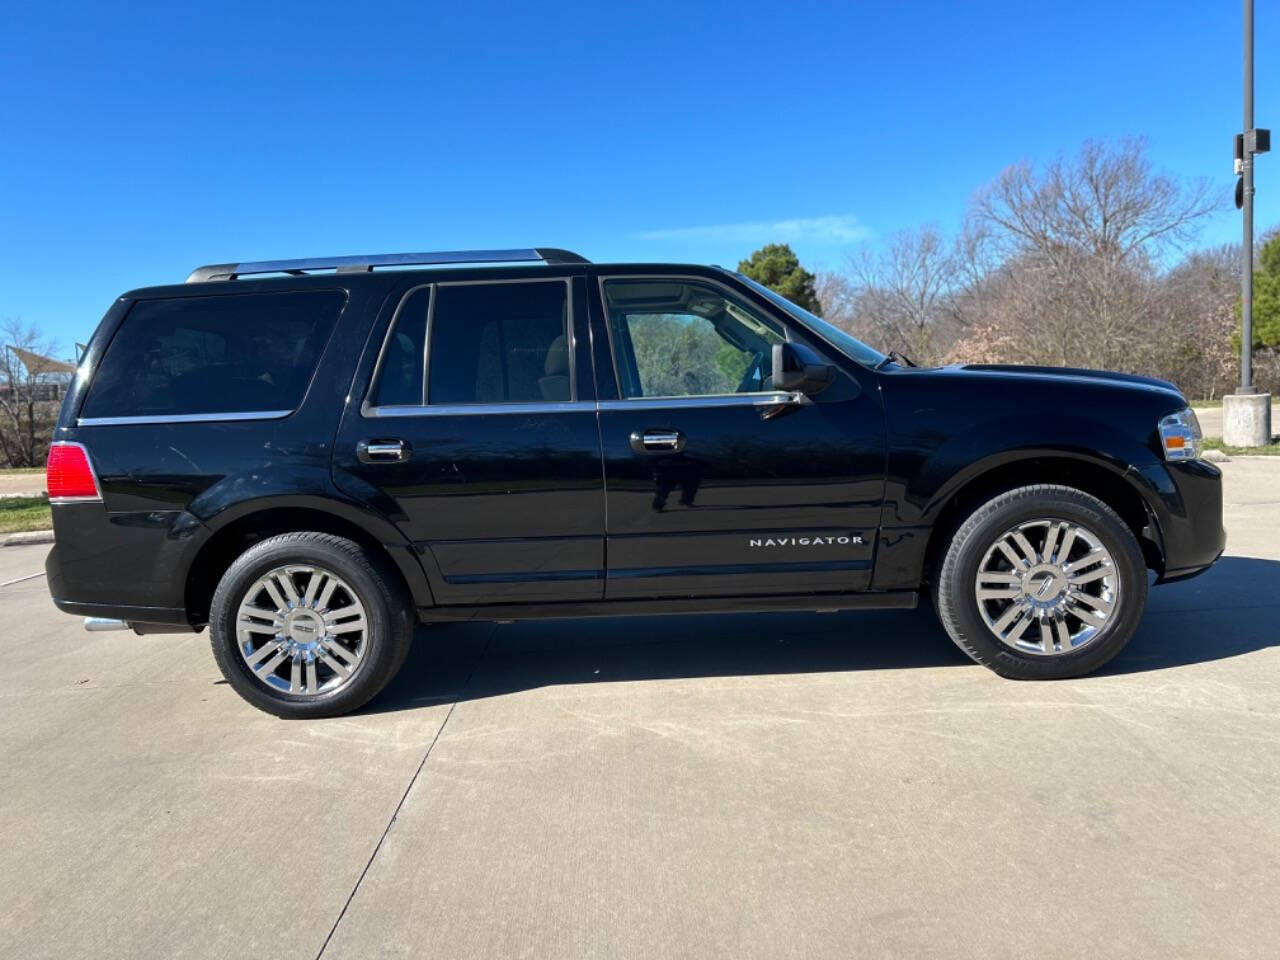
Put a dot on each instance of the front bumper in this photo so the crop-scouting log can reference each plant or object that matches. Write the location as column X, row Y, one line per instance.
column 1184, row 500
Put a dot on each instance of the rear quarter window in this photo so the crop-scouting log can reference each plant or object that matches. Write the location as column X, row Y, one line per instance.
column 242, row 353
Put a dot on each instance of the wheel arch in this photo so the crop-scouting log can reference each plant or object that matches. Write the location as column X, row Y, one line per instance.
column 1095, row 478
column 240, row 529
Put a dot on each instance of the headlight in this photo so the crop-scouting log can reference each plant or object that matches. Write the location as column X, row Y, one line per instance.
column 1180, row 434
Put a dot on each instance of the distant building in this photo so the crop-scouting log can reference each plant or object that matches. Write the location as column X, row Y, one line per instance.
column 46, row 377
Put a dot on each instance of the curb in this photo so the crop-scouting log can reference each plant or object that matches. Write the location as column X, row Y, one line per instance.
column 23, row 539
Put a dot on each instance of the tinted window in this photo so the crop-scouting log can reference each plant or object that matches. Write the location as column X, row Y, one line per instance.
column 400, row 376
column 224, row 354
column 674, row 338
column 499, row 343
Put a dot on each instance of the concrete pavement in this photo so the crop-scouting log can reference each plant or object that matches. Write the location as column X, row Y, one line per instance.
column 746, row 786
column 21, row 484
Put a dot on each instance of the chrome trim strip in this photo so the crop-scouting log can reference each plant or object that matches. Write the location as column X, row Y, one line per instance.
column 770, row 399
column 489, row 283
column 571, row 340
column 426, row 341
column 479, row 409
column 184, row 418
column 578, row 406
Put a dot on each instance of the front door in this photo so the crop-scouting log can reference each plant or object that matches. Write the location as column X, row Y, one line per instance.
column 479, row 433
column 713, row 488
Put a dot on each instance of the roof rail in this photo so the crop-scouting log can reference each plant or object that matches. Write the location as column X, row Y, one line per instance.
column 230, row 271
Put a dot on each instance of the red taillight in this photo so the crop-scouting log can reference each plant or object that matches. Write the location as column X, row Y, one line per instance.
column 69, row 475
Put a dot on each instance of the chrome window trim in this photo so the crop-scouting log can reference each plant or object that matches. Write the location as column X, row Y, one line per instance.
column 478, row 409
column 426, row 341
column 602, row 279
column 184, row 418
column 767, row 399
column 368, row 410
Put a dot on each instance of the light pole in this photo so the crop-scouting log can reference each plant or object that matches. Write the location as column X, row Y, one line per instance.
column 1246, row 415
column 1246, row 254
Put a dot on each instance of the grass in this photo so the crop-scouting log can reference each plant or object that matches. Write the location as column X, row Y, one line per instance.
column 18, row 471
column 19, row 514
column 1272, row 449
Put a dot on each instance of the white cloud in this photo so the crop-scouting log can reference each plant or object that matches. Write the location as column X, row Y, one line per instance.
column 818, row 231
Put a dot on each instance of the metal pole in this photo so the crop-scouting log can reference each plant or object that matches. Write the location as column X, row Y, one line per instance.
column 1246, row 256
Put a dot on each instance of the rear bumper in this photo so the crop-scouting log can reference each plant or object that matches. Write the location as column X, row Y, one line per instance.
column 126, row 566
column 138, row 617
column 1185, row 501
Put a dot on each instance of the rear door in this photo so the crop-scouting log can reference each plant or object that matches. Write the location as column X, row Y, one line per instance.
column 712, row 487
column 479, row 435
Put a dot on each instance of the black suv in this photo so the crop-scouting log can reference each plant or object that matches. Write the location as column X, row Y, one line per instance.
column 311, row 461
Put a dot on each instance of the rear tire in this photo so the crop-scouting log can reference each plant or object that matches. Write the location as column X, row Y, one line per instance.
column 309, row 625
column 1015, row 602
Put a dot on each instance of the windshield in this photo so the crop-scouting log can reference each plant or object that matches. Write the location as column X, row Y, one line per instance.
column 852, row 346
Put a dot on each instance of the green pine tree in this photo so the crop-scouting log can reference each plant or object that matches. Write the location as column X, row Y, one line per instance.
column 1266, row 295
column 777, row 267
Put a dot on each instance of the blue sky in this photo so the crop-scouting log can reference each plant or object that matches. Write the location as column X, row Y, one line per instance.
column 141, row 140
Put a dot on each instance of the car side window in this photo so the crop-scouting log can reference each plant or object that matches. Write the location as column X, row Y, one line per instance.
column 400, row 370
column 214, row 355
column 488, row 343
column 685, row 338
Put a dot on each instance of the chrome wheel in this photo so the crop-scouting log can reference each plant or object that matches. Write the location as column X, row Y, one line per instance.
column 1047, row 587
column 302, row 630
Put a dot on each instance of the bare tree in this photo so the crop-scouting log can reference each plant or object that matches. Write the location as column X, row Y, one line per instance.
column 1067, row 260
column 837, row 295
column 1194, row 324
column 29, row 393
column 1105, row 203
column 1063, row 265
column 904, row 295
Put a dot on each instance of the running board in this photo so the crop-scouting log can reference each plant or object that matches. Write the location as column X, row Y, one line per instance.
column 808, row 602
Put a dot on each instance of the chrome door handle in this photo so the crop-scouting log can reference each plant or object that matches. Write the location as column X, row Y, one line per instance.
column 382, row 451
column 657, row 441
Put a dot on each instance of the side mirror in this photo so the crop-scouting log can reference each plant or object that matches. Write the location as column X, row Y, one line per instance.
column 797, row 369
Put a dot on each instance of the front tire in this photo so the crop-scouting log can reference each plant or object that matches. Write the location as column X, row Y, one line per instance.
column 1042, row 582
column 309, row 625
